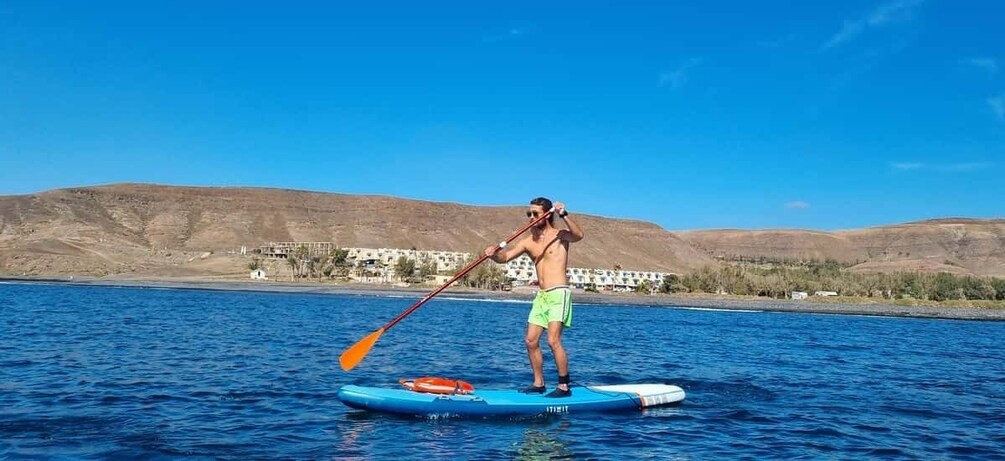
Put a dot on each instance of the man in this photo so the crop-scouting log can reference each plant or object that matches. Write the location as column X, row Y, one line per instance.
column 548, row 247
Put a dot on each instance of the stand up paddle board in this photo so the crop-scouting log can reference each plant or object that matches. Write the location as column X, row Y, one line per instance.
column 482, row 403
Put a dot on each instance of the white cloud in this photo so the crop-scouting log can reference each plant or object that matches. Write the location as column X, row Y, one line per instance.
column 907, row 165
column 886, row 13
column 797, row 205
column 512, row 33
column 998, row 106
column 676, row 78
column 988, row 64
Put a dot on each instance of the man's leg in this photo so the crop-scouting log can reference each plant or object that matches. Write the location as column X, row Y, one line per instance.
column 557, row 350
column 533, row 342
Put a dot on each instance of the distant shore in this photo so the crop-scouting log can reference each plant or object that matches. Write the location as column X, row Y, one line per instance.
column 580, row 297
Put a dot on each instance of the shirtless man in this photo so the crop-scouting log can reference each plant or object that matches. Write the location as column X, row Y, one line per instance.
column 548, row 247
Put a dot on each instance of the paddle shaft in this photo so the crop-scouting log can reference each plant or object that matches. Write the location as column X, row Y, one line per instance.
column 464, row 271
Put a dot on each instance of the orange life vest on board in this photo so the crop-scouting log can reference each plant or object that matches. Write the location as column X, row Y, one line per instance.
column 434, row 385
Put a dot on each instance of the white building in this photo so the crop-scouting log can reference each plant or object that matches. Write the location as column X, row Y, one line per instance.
column 825, row 293
column 627, row 280
column 579, row 277
column 384, row 259
column 259, row 274
column 447, row 260
column 522, row 271
column 379, row 263
column 799, row 295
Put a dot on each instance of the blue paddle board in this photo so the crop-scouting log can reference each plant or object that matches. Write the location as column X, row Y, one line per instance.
column 486, row 403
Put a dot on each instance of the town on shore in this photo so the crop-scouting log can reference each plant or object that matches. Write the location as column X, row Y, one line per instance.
column 793, row 280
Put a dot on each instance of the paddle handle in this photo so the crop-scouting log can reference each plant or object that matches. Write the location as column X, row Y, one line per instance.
column 465, row 271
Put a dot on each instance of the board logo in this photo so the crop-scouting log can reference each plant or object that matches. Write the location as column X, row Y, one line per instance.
column 557, row 409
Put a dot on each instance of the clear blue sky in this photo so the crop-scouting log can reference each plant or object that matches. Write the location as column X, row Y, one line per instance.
column 763, row 114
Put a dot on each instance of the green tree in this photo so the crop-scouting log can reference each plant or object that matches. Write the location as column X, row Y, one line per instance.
column 487, row 276
column 490, row 276
column 428, row 268
column 777, row 278
column 294, row 264
column 255, row 264
column 336, row 263
column 469, row 279
column 671, row 284
column 339, row 257
column 404, row 268
column 645, row 287
column 999, row 285
column 299, row 256
column 311, row 266
column 945, row 287
column 704, row 280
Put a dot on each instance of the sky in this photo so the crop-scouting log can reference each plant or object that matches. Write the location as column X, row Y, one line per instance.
column 728, row 114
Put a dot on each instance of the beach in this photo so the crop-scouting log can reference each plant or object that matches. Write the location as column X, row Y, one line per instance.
column 527, row 294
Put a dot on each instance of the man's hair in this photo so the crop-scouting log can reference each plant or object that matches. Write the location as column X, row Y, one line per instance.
column 546, row 204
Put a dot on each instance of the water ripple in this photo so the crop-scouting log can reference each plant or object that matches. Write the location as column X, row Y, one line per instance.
column 92, row 372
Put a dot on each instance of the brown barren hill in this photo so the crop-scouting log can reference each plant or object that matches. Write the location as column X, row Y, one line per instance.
column 774, row 244
column 139, row 228
column 957, row 245
column 976, row 246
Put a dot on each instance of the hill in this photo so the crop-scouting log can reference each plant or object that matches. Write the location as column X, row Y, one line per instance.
column 957, row 245
column 179, row 231
column 168, row 230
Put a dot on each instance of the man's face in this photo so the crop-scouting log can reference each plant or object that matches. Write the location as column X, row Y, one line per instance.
column 534, row 212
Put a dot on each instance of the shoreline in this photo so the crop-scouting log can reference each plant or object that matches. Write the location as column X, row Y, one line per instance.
column 580, row 297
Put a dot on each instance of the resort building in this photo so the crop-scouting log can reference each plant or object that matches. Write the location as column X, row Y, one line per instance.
column 522, row 272
column 380, row 260
column 378, row 263
column 445, row 261
column 283, row 250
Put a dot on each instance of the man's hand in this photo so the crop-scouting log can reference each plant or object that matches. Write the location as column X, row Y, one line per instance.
column 491, row 250
column 575, row 233
column 559, row 209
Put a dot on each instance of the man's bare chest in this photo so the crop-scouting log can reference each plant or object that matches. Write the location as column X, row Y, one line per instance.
column 545, row 247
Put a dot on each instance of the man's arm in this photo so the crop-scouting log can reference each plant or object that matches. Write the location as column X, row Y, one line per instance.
column 507, row 254
column 575, row 233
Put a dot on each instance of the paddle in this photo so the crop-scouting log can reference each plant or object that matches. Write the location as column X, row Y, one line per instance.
column 353, row 355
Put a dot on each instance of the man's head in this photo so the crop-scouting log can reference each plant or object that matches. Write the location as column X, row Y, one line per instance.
column 539, row 206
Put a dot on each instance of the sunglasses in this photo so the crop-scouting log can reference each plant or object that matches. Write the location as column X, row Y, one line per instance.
column 533, row 214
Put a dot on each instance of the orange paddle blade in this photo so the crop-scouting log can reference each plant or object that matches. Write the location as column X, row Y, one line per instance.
column 353, row 355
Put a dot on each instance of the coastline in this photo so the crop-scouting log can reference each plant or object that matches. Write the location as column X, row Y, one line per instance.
column 580, row 297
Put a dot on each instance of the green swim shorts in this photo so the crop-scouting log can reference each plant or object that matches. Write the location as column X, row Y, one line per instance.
column 552, row 305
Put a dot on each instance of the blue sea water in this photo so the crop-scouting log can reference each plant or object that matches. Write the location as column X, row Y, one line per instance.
column 105, row 372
